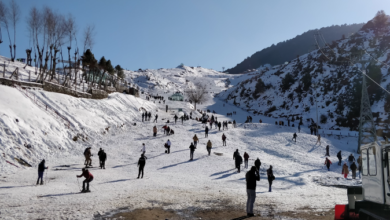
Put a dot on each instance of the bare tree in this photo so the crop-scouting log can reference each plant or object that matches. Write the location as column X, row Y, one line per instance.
column 197, row 94
column 89, row 32
column 34, row 25
column 4, row 19
column 14, row 17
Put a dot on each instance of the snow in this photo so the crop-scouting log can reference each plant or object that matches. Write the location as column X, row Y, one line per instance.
column 301, row 178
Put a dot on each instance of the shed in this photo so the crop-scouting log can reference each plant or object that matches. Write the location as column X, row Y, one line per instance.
column 176, row 97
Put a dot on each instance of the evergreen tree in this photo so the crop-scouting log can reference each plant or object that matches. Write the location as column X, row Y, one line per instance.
column 287, row 81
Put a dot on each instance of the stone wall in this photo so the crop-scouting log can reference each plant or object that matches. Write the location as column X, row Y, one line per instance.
column 99, row 94
column 51, row 87
column 9, row 82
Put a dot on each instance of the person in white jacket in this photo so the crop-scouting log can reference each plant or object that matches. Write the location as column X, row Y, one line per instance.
column 168, row 146
column 143, row 148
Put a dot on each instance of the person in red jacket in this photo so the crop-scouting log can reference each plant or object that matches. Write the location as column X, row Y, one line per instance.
column 246, row 157
column 88, row 178
column 327, row 163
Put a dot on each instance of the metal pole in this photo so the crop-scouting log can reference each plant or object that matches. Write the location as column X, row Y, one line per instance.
column 315, row 87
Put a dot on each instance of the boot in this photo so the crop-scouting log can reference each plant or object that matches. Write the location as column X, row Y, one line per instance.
column 269, row 189
column 37, row 181
column 41, row 182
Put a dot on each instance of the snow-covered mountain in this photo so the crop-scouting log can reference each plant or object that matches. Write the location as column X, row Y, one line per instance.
column 328, row 76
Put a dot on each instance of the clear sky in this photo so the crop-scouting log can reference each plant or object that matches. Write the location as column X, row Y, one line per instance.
column 209, row 33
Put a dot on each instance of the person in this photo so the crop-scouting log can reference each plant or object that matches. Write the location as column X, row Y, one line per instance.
column 339, row 157
column 327, row 151
column 271, row 177
column 141, row 165
column 143, row 115
column 88, row 178
column 209, row 146
column 175, row 117
column 294, row 137
column 206, row 132
column 234, row 123
column 351, row 159
column 252, row 176
column 359, row 161
column 182, row 119
column 196, row 140
column 318, row 139
column 260, row 121
column 150, row 115
column 353, row 169
column 345, row 170
column 102, row 158
column 41, row 170
column 219, row 126
column 223, row 140
column 238, row 161
column 311, row 130
column 154, row 131
column 168, row 144
column 246, row 158
column 192, row 149
column 327, row 163
column 299, row 128
column 155, row 119
column 88, row 155
column 143, row 150
column 257, row 164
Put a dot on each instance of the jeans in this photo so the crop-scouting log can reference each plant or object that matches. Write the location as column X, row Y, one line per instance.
column 40, row 176
column 191, row 155
column 246, row 163
column 353, row 174
column 87, row 181
column 251, row 200
column 141, row 170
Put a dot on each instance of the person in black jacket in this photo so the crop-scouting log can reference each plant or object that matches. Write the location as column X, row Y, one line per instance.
column 206, row 132
column 41, row 170
column 271, row 177
column 238, row 161
column 102, row 158
column 339, row 157
column 257, row 164
column 294, row 137
column 353, row 168
column 192, row 149
column 141, row 165
column 251, row 177
column 327, row 151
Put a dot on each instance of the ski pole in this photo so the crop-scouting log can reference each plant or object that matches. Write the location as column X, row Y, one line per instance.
column 78, row 183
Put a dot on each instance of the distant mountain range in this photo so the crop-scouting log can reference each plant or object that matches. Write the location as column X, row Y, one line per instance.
column 290, row 49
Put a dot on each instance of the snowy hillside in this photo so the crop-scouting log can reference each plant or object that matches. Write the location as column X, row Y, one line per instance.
column 289, row 89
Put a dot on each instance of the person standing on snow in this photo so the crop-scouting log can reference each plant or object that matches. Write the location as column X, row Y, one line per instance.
column 257, row 164
column 339, row 157
column 143, row 115
column 88, row 155
column 196, row 140
column 223, row 140
column 192, row 149
column 318, row 139
column 141, row 165
column 88, row 178
column 102, row 158
column 271, row 177
column 238, row 161
column 359, row 161
column 294, row 137
column 175, row 117
column 154, row 131
column 206, row 132
column 353, row 169
column 150, row 115
column 252, row 176
column 246, row 158
column 327, row 163
column 345, row 170
column 155, row 118
column 41, row 170
column 209, row 146
column 351, row 159
column 143, row 150
column 168, row 146
column 219, row 126
column 327, row 151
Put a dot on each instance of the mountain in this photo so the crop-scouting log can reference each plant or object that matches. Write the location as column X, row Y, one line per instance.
column 290, row 49
column 288, row 91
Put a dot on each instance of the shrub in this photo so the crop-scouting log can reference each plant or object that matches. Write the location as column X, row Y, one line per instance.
column 323, row 119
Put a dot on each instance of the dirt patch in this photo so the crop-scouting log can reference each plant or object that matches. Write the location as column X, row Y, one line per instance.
column 147, row 214
column 309, row 214
column 224, row 214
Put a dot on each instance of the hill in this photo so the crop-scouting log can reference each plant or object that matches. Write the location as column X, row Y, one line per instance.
column 290, row 49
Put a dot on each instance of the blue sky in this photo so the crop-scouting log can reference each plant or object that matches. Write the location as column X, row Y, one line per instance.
column 209, row 33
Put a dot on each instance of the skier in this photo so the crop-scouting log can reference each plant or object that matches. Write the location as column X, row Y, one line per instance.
column 251, row 177
column 359, row 161
column 345, row 170
column 88, row 155
column 223, row 140
column 271, row 177
column 294, row 137
column 206, row 132
column 102, row 158
column 88, row 178
column 219, row 126
column 238, row 161
column 327, row 151
column 351, row 159
column 209, row 146
column 353, row 169
column 155, row 119
column 143, row 150
column 141, row 165
column 246, row 158
column 192, row 149
column 318, row 139
column 175, row 117
column 327, row 163
column 195, row 138
column 168, row 144
column 257, row 164
column 41, row 170
column 339, row 157
column 143, row 115
column 154, row 131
